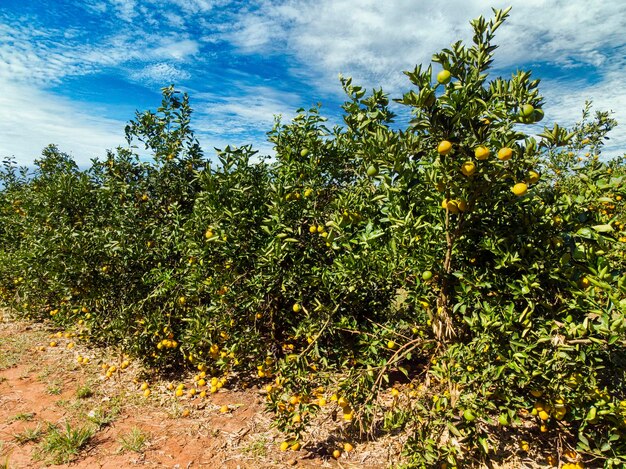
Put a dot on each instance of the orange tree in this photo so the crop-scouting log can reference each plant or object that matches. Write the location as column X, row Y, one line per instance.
column 475, row 268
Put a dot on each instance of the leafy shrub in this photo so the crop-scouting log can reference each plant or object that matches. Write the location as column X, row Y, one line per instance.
column 477, row 269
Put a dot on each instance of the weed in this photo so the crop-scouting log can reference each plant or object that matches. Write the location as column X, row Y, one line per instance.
column 257, row 447
column 102, row 416
column 63, row 445
column 84, row 392
column 135, row 440
column 24, row 416
column 29, row 435
column 54, row 388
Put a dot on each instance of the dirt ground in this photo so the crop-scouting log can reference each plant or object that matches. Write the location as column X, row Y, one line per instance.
column 57, row 412
column 44, row 388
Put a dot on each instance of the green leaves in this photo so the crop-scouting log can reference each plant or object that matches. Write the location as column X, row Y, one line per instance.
column 486, row 299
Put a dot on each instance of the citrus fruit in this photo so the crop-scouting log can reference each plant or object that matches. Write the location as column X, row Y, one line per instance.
column 533, row 176
column 468, row 168
column 527, row 110
column 519, row 189
column 505, row 153
column 296, row 308
column 304, row 152
column 481, row 152
column 453, row 206
column 347, row 447
column 427, row 275
column 444, row 76
column 444, row 147
column 372, row 171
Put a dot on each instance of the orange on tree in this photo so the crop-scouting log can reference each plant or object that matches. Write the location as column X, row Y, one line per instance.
column 444, row 76
column 519, row 189
column 505, row 153
column 468, row 168
column 532, row 177
column 444, row 147
column 481, row 152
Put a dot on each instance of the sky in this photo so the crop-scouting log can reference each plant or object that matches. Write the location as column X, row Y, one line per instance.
column 73, row 72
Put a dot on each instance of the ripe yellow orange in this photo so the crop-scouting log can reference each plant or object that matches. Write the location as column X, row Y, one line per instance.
column 452, row 206
column 284, row 446
column 224, row 409
column 336, row 454
column 519, row 189
column 144, row 386
column 347, row 447
column 468, row 168
column 296, row 446
column 481, row 152
column 462, row 205
column 296, row 308
column 533, row 176
column 584, row 282
column 505, row 153
column 444, row 147
column 146, row 393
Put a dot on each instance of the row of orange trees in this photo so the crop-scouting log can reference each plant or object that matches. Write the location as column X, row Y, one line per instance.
column 476, row 269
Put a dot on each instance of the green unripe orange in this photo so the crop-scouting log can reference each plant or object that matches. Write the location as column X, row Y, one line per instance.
column 372, row 171
column 444, row 76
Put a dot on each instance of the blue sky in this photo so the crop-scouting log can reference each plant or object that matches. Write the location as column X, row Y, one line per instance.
column 73, row 72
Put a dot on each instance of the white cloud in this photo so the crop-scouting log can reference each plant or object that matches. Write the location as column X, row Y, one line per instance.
column 161, row 74
column 176, row 49
column 32, row 119
column 374, row 41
